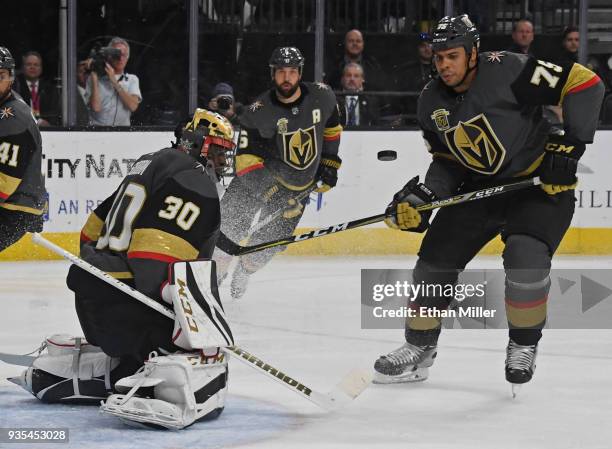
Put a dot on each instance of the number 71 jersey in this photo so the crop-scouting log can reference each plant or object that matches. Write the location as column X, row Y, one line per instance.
column 496, row 128
column 165, row 210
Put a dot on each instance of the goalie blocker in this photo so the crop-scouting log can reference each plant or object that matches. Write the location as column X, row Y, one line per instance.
column 183, row 380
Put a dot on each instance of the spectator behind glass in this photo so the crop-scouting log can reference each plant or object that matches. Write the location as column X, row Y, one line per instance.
column 354, row 52
column 82, row 76
column 412, row 76
column 522, row 37
column 222, row 101
column 113, row 97
column 569, row 45
column 358, row 109
column 40, row 94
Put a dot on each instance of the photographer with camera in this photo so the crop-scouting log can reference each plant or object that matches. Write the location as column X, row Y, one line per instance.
column 112, row 95
column 222, row 101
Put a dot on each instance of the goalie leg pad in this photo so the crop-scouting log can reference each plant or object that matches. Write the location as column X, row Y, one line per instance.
column 186, row 388
column 200, row 319
column 69, row 370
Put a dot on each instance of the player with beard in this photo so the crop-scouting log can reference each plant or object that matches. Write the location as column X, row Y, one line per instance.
column 289, row 141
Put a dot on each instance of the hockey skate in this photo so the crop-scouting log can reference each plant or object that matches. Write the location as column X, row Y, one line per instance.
column 520, row 364
column 172, row 391
column 408, row 363
column 69, row 370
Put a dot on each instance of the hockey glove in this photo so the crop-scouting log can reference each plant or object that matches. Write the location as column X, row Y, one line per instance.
column 328, row 172
column 401, row 213
column 560, row 164
column 291, row 207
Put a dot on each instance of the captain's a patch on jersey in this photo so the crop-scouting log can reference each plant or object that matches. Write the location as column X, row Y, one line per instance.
column 475, row 144
column 300, row 148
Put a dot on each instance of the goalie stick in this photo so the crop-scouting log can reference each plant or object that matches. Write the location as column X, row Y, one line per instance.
column 351, row 386
column 235, row 249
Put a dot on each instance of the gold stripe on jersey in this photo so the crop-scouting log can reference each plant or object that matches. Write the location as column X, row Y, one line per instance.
column 8, row 185
column 330, row 133
column 244, row 161
column 29, row 210
column 533, row 167
column 157, row 242
column 93, row 227
column 121, row 274
column 578, row 75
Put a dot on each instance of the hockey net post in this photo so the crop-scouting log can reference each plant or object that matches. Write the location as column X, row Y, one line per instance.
column 351, row 386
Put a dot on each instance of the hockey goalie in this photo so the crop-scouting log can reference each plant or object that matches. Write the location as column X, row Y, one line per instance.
column 156, row 233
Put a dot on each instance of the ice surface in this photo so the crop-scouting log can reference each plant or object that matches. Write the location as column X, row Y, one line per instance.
column 302, row 316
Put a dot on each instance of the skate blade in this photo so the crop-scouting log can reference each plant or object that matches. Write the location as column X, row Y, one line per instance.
column 515, row 389
column 140, row 418
column 419, row 375
column 21, row 381
column 18, row 381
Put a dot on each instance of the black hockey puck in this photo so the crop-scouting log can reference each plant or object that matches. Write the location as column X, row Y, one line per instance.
column 387, row 155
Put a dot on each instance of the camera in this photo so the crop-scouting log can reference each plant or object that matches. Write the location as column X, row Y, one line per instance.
column 103, row 55
column 224, row 103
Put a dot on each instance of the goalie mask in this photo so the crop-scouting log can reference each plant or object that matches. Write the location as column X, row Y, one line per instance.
column 208, row 137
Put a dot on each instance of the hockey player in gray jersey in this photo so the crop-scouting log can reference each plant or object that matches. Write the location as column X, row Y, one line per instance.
column 289, row 142
column 482, row 123
column 22, row 186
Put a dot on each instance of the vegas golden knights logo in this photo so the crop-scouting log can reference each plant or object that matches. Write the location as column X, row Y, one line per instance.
column 300, row 148
column 476, row 146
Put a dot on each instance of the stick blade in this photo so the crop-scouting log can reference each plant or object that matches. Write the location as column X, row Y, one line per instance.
column 351, row 386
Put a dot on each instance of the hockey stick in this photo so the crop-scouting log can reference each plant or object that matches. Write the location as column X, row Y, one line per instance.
column 235, row 249
column 347, row 389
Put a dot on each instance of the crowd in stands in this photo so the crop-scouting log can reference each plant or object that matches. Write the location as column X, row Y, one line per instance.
column 369, row 93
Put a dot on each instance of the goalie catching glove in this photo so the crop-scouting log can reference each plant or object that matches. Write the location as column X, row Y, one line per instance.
column 328, row 173
column 401, row 212
column 560, row 164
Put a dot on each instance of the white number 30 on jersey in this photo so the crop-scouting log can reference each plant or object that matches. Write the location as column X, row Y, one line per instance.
column 185, row 213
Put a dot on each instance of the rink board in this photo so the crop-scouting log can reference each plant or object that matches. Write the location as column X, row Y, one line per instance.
column 83, row 168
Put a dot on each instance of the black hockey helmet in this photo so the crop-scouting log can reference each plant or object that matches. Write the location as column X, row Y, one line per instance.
column 453, row 32
column 205, row 135
column 6, row 60
column 286, row 57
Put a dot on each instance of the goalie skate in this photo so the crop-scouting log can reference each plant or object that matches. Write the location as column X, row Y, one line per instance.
column 69, row 370
column 408, row 363
column 171, row 391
